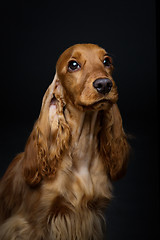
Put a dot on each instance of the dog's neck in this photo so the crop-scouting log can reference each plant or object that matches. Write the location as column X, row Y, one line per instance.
column 84, row 127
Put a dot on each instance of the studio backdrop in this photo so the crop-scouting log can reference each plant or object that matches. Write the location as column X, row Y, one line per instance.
column 34, row 34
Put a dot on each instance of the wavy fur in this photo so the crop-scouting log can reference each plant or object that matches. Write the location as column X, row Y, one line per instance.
column 58, row 188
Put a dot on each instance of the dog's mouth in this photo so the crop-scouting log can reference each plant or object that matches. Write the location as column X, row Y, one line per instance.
column 97, row 101
column 98, row 105
column 101, row 102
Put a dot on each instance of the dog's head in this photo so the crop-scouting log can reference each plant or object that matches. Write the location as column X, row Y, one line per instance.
column 85, row 73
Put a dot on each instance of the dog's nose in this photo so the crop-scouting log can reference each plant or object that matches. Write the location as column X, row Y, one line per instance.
column 102, row 85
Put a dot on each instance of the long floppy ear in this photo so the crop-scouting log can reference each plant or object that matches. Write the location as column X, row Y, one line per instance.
column 35, row 156
column 114, row 146
column 49, row 138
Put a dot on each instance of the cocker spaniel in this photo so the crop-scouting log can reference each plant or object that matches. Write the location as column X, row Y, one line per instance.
column 58, row 187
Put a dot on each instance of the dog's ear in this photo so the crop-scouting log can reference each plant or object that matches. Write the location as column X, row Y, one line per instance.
column 113, row 143
column 49, row 138
column 35, row 156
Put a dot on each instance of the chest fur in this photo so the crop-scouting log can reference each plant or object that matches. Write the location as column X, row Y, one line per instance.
column 82, row 174
column 79, row 196
column 77, row 184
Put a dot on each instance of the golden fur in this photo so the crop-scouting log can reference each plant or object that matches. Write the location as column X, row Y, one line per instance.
column 59, row 186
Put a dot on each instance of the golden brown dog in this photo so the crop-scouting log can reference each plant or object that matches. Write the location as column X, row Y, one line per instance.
column 58, row 187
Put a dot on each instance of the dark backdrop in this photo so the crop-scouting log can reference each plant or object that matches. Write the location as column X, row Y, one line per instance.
column 33, row 34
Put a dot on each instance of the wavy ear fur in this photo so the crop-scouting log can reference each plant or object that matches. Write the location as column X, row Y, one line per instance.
column 114, row 145
column 48, row 140
column 35, row 157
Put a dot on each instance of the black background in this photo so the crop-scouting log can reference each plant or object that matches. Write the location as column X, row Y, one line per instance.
column 34, row 34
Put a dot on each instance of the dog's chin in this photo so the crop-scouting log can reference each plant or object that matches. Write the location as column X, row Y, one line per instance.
column 103, row 104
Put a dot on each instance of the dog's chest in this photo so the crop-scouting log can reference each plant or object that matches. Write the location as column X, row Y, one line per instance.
column 83, row 193
column 84, row 179
column 91, row 181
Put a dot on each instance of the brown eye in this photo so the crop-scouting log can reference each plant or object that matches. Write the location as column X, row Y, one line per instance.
column 107, row 62
column 73, row 66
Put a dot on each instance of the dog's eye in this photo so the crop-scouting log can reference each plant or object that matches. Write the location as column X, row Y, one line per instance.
column 73, row 66
column 107, row 62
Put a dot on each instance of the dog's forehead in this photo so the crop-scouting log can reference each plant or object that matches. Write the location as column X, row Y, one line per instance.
column 87, row 52
column 84, row 49
column 81, row 50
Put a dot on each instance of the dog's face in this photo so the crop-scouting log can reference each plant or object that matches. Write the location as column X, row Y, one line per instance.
column 84, row 71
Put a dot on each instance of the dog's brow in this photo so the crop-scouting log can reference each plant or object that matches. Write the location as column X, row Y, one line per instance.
column 103, row 52
column 76, row 55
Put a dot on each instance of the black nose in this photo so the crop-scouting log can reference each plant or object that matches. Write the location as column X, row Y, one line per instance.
column 103, row 85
